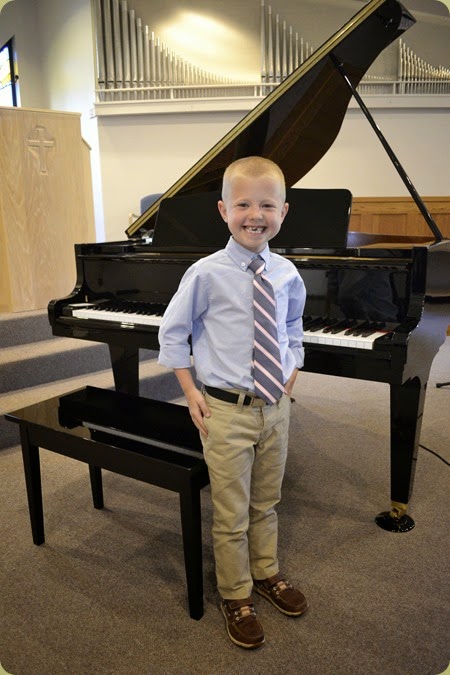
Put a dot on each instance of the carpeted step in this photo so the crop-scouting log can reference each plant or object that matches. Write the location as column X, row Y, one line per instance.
column 52, row 360
column 34, row 363
column 24, row 327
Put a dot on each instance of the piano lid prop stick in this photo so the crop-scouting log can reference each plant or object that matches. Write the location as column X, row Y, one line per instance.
column 400, row 170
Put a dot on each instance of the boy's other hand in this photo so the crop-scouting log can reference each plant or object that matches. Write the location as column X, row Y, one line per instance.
column 288, row 387
column 194, row 397
column 198, row 410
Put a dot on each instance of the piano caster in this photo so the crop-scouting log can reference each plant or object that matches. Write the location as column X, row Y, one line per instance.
column 395, row 520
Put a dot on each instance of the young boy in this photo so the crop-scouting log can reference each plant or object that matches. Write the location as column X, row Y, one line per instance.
column 242, row 410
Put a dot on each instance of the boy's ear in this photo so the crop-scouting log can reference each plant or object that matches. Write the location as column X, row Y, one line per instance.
column 284, row 211
column 222, row 209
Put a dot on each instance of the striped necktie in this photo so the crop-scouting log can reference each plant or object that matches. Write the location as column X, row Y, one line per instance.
column 267, row 372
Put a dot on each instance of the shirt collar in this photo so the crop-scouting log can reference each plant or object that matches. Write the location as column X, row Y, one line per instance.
column 242, row 256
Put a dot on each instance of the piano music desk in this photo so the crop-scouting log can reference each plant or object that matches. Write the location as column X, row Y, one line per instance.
column 151, row 441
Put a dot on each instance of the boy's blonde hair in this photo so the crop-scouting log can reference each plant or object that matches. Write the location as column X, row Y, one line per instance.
column 253, row 167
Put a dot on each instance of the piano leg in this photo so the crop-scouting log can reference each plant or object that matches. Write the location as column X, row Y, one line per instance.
column 125, row 366
column 407, row 403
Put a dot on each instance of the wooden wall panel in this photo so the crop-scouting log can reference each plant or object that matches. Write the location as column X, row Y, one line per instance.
column 398, row 215
column 46, row 205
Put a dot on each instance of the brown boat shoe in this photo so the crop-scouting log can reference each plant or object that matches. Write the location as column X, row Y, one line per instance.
column 243, row 627
column 282, row 594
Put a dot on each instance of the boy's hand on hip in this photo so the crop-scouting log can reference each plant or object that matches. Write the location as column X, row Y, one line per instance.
column 198, row 410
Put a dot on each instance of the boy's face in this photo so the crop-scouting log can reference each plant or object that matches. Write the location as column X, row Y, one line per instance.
column 253, row 209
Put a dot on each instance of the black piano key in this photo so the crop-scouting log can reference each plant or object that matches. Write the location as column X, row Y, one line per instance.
column 367, row 330
column 376, row 326
column 343, row 325
column 316, row 327
column 334, row 325
column 313, row 322
column 358, row 328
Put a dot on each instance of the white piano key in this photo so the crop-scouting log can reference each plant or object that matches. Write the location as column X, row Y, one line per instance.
column 118, row 317
column 342, row 340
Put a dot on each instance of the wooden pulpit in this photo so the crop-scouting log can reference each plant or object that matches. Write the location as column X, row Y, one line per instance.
column 46, row 205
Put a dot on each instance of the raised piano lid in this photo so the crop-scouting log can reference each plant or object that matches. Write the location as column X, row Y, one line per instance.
column 298, row 121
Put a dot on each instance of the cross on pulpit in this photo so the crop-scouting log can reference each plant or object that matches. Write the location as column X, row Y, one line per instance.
column 39, row 145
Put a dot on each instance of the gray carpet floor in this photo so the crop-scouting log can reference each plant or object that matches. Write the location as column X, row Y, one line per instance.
column 106, row 593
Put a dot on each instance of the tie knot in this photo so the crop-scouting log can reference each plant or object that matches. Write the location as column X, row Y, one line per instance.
column 257, row 265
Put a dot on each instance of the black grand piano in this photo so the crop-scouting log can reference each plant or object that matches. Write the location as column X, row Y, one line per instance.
column 377, row 306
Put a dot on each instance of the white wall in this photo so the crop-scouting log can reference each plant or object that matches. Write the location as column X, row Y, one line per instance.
column 142, row 155
column 146, row 154
column 419, row 137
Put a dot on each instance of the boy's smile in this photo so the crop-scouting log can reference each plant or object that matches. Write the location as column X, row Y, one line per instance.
column 253, row 209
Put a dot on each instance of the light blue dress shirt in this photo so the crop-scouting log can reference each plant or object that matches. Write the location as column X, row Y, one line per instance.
column 214, row 304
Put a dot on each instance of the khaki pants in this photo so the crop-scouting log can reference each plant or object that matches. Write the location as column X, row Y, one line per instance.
column 245, row 451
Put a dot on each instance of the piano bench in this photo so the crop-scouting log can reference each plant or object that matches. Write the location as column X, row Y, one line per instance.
column 151, row 441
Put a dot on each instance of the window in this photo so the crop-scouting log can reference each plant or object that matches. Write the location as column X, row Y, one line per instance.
column 8, row 77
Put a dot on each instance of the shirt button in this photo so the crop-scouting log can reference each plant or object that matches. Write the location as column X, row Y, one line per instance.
column 243, row 264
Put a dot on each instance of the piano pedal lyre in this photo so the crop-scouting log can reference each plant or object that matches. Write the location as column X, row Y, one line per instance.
column 395, row 520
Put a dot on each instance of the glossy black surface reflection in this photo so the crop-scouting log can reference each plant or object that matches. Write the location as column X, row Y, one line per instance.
column 131, row 420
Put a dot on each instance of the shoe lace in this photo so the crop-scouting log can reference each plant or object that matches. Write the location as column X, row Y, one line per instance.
column 280, row 586
column 243, row 612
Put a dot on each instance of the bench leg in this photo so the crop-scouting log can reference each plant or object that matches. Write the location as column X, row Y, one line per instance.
column 95, row 475
column 191, row 524
column 32, row 469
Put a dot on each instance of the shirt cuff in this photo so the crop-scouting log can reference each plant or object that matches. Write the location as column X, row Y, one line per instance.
column 173, row 358
column 299, row 356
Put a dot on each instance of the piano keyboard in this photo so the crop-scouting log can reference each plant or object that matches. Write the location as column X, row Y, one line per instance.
column 317, row 330
column 343, row 333
column 125, row 314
